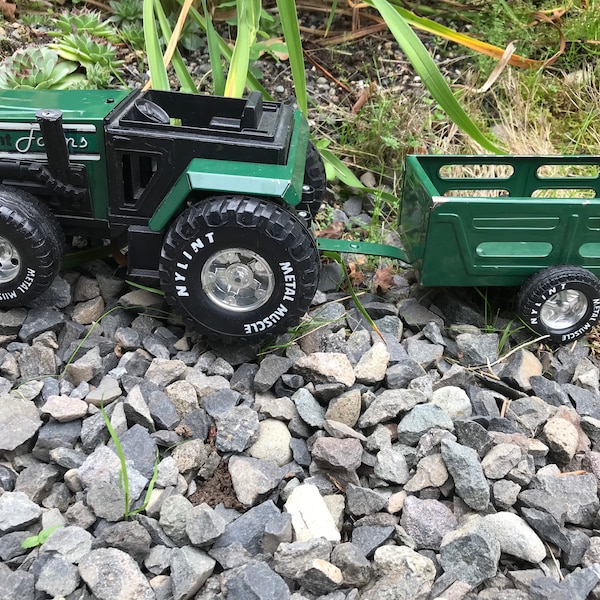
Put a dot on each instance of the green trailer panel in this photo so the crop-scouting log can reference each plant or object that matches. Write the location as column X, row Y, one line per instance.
column 478, row 229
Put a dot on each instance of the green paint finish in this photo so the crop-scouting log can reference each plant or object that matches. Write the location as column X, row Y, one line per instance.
column 348, row 246
column 229, row 177
column 83, row 106
column 470, row 239
column 83, row 121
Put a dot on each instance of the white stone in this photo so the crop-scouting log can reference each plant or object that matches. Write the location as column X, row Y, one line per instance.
column 373, row 364
column 273, row 442
column 515, row 536
column 310, row 516
column 453, row 400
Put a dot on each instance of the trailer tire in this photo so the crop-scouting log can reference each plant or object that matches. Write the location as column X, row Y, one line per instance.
column 315, row 177
column 239, row 268
column 562, row 302
column 31, row 247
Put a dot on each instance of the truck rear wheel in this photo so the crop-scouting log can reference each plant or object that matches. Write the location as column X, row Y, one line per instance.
column 239, row 267
column 314, row 175
column 562, row 302
column 31, row 249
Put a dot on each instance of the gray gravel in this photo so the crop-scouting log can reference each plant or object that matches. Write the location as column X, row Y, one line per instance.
column 340, row 467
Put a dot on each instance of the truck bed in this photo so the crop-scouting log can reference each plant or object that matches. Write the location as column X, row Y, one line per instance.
column 496, row 220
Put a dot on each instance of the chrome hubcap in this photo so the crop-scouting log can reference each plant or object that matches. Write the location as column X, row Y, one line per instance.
column 10, row 261
column 237, row 279
column 564, row 309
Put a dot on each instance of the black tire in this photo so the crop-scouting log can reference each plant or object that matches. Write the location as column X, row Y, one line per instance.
column 314, row 175
column 239, row 268
column 562, row 302
column 31, row 247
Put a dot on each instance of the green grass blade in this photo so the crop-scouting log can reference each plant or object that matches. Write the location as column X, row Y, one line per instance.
column 212, row 38
column 248, row 15
column 158, row 73
column 226, row 51
column 430, row 75
column 339, row 169
column 124, row 475
column 187, row 83
column 291, row 33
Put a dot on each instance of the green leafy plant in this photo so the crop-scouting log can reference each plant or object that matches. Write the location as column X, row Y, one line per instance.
column 33, row 541
column 89, row 53
column 126, row 12
column 38, row 68
column 124, row 475
column 84, row 22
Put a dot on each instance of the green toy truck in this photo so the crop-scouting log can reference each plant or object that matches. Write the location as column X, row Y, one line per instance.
column 213, row 197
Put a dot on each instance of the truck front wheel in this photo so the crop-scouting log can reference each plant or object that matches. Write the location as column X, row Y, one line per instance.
column 562, row 302
column 239, row 267
column 30, row 247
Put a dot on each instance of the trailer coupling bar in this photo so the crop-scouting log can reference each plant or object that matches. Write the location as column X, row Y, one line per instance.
column 351, row 247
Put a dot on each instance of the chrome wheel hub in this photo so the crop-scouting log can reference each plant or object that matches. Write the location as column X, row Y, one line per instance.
column 10, row 261
column 564, row 310
column 237, row 279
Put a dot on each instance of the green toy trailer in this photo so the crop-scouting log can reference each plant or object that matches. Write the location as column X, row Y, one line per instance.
column 213, row 197
column 529, row 221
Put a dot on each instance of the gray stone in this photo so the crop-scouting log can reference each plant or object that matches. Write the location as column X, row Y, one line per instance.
column 321, row 577
column 474, row 435
column 37, row 360
column 363, row 501
column 389, row 404
column 271, row 369
column 128, row 536
column 64, row 408
column 183, row 396
column 569, row 499
column 403, row 575
column 423, row 352
column 19, row 421
column 427, row 521
column 158, row 560
column 326, row 367
column 173, row 518
column 17, row 511
column 453, row 400
column 113, row 575
column 107, row 500
column 40, row 320
column 16, row 584
column 470, row 553
column 415, row 315
column 431, row 473
column 71, row 542
column 278, row 531
column 421, row 419
column 372, row 366
column 400, row 374
column 464, row 466
column 253, row 478
column 54, row 575
column 505, row 493
column 190, row 568
column 367, row 538
column 576, row 586
column 163, row 372
column 549, row 391
column 237, row 429
column 356, row 569
column 249, row 528
column 36, row 481
column 229, row 557
column 500, row 460
column 220, row 401
column 310, row 411
column 477, row 349
column 190, row 456
column 562, row 438
column 292, row 560
column 255, row 582
column 336, row 453
column 391, row 466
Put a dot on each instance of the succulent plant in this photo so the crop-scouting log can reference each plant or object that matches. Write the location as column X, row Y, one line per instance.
column 84, row 22
column 126, row 11
column 38, row 68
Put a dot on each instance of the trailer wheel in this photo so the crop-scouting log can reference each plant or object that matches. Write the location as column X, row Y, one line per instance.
column 562, row 302
column 314, row 175
column 239, row 268
column 31, row 247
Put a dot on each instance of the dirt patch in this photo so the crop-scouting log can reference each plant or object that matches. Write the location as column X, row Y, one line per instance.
column 217, row 489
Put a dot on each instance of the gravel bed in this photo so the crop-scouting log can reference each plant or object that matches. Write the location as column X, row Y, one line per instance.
column 344, row 466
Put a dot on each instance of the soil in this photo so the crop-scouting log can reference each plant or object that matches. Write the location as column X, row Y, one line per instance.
column 217, row 489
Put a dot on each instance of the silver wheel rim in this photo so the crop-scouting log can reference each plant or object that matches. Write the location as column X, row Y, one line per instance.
column 564, row 310
column 10, row 261
column 237, row 279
